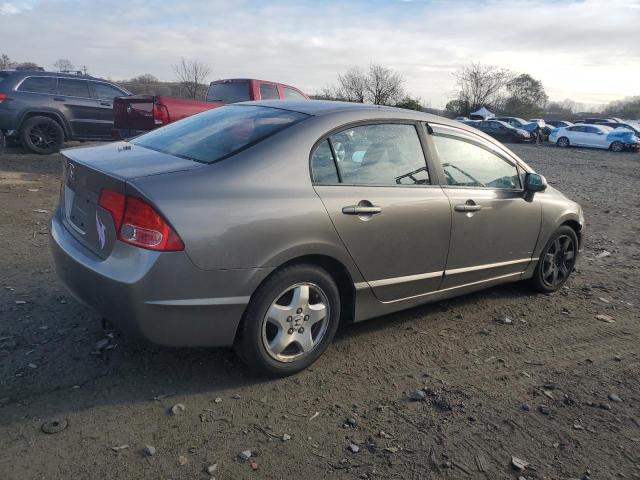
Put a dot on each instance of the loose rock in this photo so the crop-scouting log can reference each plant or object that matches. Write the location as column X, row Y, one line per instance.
column 614, row 398
column 518, row 463
column 543, row 409
column 354, row 448
column 286, row 437
column 211, row 469
column 605, row 318
column 245, row 455
column 149, row 450
column 177, row 409
column 182, row 460
column 418, row 396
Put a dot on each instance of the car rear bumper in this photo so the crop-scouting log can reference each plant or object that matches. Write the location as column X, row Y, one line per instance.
column 161, row 297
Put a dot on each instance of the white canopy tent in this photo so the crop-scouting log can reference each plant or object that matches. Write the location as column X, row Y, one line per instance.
column 483, row 113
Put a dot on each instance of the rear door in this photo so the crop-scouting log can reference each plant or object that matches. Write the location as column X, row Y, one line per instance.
column 104, row 94
column 82, row 111
column 494, row 226
column 393, row 221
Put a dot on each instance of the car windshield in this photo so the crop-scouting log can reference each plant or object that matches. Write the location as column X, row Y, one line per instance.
column 219, row 133
column 228, row 92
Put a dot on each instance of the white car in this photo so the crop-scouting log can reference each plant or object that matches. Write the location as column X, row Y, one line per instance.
column 594, row 136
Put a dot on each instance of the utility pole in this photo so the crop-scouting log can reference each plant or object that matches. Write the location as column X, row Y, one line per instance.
column 84, row 69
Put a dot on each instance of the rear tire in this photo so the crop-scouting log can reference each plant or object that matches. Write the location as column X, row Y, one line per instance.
column 557, row 261
column 563, row 142
column 290, row 321
column 616, row 147
column 41, row 135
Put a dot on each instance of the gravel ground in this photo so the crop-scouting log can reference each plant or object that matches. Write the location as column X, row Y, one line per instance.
column 557, row 388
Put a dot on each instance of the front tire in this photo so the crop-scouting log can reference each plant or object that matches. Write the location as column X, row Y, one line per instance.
column 557, row 261
column 616, row 147
column 290, row 321
column 42, row 135
column 563, row 142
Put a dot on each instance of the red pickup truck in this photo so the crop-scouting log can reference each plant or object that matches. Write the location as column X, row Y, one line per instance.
column 138, row 114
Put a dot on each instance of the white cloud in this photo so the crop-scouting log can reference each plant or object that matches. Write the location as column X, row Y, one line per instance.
column 587, row 50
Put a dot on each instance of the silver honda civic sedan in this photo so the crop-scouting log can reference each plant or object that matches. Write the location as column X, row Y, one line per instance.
column 264, row 225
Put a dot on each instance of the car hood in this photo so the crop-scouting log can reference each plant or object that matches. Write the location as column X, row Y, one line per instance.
column 125, row 160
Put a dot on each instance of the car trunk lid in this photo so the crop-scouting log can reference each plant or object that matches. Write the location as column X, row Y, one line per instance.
column 89, row 171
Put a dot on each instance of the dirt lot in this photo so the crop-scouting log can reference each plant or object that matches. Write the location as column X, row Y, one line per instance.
column 557, row 388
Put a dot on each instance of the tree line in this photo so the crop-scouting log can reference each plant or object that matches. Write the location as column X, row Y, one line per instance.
column 476, row 85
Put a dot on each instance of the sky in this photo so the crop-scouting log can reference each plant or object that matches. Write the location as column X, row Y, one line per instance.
column 587, row 50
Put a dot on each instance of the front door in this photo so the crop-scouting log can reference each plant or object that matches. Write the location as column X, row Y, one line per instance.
column 494, row 225
column 103, row 94
column 393, row 222
column 81, row 110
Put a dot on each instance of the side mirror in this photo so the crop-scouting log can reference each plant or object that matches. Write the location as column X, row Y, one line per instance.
column 534, row 182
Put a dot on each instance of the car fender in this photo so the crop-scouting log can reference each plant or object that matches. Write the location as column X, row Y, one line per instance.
column 556, row 212
column 47, row 112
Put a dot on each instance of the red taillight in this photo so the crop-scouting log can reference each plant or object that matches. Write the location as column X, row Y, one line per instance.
column 3, row 96
column 139, row 224
column 160, row 114
column 113, row 202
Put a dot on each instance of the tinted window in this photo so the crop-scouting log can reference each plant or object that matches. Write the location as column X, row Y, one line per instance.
column 291, row 94
column 38, row 85
column 218, row 133
column 73, row 88
column 268, row 91
column 576, row 129
column 230, row 92
column 105, row 91
column 468, row 164
column 592, row 130
column 384, row 154
column 323, row 168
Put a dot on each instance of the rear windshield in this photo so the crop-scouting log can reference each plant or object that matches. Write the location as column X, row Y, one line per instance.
column 4, row 75
column 230, row 92
column 219, row 133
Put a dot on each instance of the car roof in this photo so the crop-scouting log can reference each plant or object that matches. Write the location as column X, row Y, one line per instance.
column 42, row 73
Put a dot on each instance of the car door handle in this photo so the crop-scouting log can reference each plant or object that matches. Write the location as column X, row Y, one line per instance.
column 360, row 210
column 59, row 99
column 467, row 208
column 105, row 104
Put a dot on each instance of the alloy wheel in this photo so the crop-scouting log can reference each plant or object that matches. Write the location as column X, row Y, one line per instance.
column 296, row 322
column 43, row 135
column 558, row 262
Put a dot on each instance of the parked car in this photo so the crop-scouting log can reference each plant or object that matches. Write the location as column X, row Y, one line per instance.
column 592, row 121
column 558, row 123
column 595, row 136
column 140, row 113
column 634, row 127
column 44, row 108
column 462, row 119
column 241, row 226
column 530, row 126
column 503, row 131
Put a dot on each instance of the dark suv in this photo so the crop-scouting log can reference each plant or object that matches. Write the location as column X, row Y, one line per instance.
column 44, row 109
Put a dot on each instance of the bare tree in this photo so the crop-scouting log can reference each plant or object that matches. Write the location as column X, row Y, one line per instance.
column 352, row 86
column 191, row 74
column 482, row 85
column 64, row 65
column 384, row 86
column 6, row 62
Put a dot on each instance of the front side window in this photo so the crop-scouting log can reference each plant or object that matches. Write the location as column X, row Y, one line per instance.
column 73, row 88
column 268, row 91
column 467, row 164
column 219, row 133
column 38, row 85
column 104, row 91
column 380, row 154
column 291, row 94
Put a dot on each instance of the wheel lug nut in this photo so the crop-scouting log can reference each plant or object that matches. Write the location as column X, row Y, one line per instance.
column 301, row 330
column 289, row 319
column 299, row 311
column 306, row 318
column 290, row 331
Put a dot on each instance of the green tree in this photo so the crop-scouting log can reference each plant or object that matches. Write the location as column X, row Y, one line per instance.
column 526, row 97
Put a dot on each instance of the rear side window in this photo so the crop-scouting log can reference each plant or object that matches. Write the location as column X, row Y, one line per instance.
column 104, row 91
column 228, row 92
column 38, row 85
column 323, row 168
column 291, row 94
column 268, row 91
column 73, row 88
column 219, row 133
column 380, row 154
